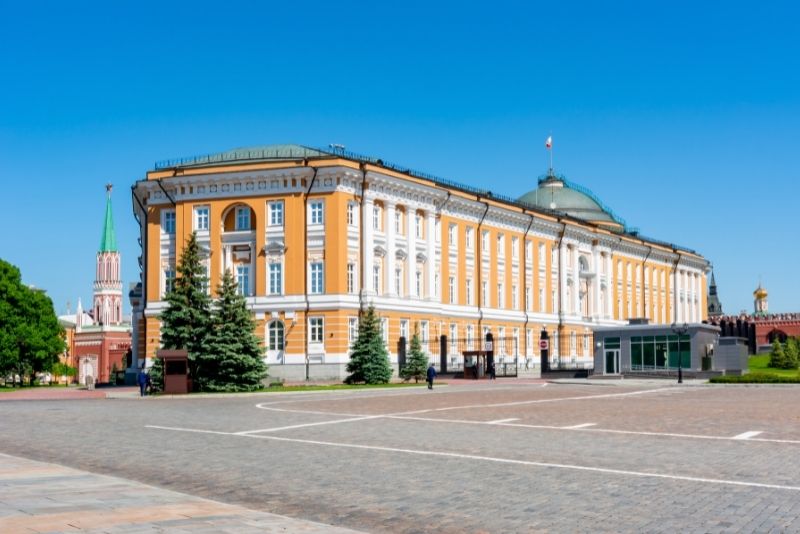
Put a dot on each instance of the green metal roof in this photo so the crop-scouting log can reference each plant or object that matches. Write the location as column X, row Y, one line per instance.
column 555, row 193
column 108, row 243
column 252, row 153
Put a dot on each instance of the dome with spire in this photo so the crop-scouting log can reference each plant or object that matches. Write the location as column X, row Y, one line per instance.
column 557, row 194
column 760, row 292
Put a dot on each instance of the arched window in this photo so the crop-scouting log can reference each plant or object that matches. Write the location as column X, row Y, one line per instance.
column 275, row 336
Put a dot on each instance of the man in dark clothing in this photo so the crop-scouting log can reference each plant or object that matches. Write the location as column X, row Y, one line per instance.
column 142, row 380
column 492, row 373
column 431, row 376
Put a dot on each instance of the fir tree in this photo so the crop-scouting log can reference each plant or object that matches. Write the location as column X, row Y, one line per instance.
column 369, row 360
column 777, row 358
column 417, row 363
column 234, row 359
column 792, row 352
column 185, row 324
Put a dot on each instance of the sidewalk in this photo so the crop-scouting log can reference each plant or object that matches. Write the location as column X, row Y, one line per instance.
column 42, row 497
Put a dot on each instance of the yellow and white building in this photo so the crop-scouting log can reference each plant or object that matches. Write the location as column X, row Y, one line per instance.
column 313, row 236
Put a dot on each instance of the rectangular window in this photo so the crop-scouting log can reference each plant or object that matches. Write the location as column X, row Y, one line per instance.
column 201, row 219
column 469, row 239
column 316, row 327
column 276, row 213
column 514, row 248
column 528, row 341
column 542, row 257
column 169, row 280
column 317, row 286
column 376, row 278
column 500, row 295
column 168, row 224
column 316, row 212
column 423, row 333
column 398, row 282
column 501, row 246
column 469, row 292
column 484, row 294
column 527, row 299
column 418, row 225
column 275, row 278
column 352, row 330
column 351, row 214
column 438, row 230
column 451, row 287
column 470, row 330
column 514, row 298
column 453, row 340
column 242, row 218
column 404, row 328
column 243, row 279
column 419, row 283
column 528, row 250
column 398, row 222
column 451, row 235
column 376, row 217
column 485, row 244
column 541, row 299
column 351, row 278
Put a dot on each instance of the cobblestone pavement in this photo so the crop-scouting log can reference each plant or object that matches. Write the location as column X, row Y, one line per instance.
column 42, row 497
column 496, row 457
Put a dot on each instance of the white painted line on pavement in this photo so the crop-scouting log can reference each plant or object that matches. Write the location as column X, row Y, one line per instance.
column 748, row 435
column 502, row 421
column 576, row 427
column 493, row 459
column 304, row 425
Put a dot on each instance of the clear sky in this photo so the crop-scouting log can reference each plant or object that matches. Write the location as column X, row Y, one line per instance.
column 683, row 117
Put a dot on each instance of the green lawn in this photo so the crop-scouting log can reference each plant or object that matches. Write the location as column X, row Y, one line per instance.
column 761, row 373
column 760, row 364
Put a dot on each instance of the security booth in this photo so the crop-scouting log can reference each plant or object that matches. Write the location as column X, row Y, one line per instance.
column 475, row 363
column 176, row 371
column 642, row 348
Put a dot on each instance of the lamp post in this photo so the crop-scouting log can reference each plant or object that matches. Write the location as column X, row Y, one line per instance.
column 680, row 329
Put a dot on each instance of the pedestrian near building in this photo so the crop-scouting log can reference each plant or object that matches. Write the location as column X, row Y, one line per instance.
column 431, row 376
column 492, row 373
column 142, row 379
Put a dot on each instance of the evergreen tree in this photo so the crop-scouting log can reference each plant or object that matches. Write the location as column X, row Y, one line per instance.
column 234, row 359
column 792, row 352
column 186, row 322
column 369, row 360
column 777, row 357
column 417, row 363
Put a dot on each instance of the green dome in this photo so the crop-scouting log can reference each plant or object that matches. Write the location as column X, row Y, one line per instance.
column 557, row 194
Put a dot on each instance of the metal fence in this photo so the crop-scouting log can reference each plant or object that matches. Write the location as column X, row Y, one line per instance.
column 461, row 355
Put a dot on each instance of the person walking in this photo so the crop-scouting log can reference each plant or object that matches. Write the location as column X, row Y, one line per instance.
column 142, row 380
column 431, row 376
column 492, row 373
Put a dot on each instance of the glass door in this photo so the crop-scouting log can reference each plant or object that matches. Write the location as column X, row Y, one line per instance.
column 612, row 362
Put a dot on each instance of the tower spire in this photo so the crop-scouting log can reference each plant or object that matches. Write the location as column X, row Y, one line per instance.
column 108, row 243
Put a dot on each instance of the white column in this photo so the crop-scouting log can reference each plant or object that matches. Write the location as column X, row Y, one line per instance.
column 695, row 298
column 576, row 284
column 389, row 287
column 411, row 270
column 562, row 274
column 596, row 311
column 430, row 265
column 678, row 305
column 367, row 261
column 609, row 287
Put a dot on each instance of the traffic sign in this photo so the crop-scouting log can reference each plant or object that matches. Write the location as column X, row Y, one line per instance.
column 543, row 344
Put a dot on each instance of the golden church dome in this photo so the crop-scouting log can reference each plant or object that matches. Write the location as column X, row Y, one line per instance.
column 760, row 292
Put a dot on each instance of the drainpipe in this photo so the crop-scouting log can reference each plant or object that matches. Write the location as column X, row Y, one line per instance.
column 479, row 238
column 525, row 281
column 305, row 261
column 361, row 244
column 644, row 281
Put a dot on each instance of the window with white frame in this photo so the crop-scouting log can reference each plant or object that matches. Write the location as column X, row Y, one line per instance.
column 451, row 288
column 470, row 336
column 515, row 248
column 542, row 256
column 351, row 214
column 398, row 222
column 168, row 222
column 317, row 208
column 451, row 236
column 485, row 243
column 500, row 342
column 243, row 218
column 398, row 282
column 528, row 251
column 438, row 230
column 528, row 341
column 527, row 299
column 351, row 278
column 352, row 330
column 169, row 280
column 316, row 326
column 436, row 284
column 201, row 218
column 376, row 217
column 276, row 213
column 514, row 298
column 418, row 226
column 419, row 283
column 243, row 279
column 275, row 278
column 501, row 295
column 515, row 337
column 453, row 334
column 501, row 246
column 404, row 328
column 484, row 293
column 376, row 278
column 275, row 335
column 423, row 333
column 541, row 298
column 317, row 278
column 469, row 291
column 469, row 238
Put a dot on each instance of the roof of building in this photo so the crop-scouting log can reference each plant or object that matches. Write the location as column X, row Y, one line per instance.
column 108, row 242
column 556, row 193
column 760, row 292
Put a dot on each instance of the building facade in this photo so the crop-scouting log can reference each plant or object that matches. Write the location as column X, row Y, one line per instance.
column 314, row 236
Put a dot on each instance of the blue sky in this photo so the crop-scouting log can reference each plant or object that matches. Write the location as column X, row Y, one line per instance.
column 683, row 117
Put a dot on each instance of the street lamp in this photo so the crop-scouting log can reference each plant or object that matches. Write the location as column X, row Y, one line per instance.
column 680, row 329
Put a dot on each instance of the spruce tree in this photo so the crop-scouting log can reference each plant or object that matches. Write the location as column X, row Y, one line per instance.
column 234, row 359
column 777, row 358
column 369, row 359
column 792, row 352
column 186, row 322
column 417, row 363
